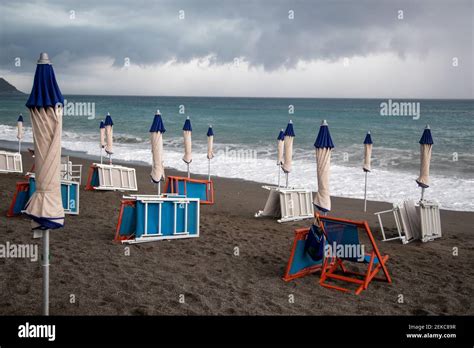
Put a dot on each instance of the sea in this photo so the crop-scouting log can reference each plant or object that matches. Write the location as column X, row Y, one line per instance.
column 245, row 140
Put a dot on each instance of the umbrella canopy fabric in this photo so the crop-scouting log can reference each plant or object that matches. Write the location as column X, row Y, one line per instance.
column 426, row 145
column 367, row 152
column 157, row 129
column 210, row 143
column 187, row 130
column 280, row 147
column 102, row 134
column 324, row 146
column 109, row 132
column 45, row 103
column 288, row 145
column 19, row 127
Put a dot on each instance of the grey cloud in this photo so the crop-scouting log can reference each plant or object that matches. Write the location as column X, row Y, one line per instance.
column 150, row 33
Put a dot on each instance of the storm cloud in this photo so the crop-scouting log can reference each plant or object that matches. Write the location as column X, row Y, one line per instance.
column 151, row 33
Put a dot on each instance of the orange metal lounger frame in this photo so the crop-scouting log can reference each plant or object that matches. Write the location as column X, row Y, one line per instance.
column 173, row 181
column 331, row 264
column 20, row 187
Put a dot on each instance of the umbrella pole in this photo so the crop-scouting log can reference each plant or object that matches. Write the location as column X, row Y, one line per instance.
column 189, row 174
column 209, row 170
column 286, row 180
column 365, row 193
column 159, row 188
column 279, row 174
column 19, row 146
column 422, row 193
column 45, row 265
column 101, row 155
column 110, row 159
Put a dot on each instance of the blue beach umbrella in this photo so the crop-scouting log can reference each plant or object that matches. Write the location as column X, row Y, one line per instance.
column 187, row 130
column 210, row 152
column 20, row 133
column 367, row 160
column 288, row 145
column 426, row 145
column 102, row 141
column 109, row 133
column 324, row 146
column 45, row 206
column 157, row 130
column 280, row 152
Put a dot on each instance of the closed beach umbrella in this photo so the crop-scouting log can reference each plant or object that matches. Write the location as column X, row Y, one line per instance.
column 280, row 148
column 45, row 206
column 288, row 145
column 187, row 130
column 324, row 146
column 101, row 138
column 426, row 144
column 367, row 160
column 102, row 135
column 210, row 152
column 20, row 133
column 109, row 132
column 157, row 129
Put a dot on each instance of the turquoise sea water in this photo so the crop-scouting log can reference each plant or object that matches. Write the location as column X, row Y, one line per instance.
column 251, row 125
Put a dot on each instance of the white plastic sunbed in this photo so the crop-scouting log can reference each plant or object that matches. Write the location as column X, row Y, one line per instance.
column 10, row 162
column 288, row 204
column 413, row 222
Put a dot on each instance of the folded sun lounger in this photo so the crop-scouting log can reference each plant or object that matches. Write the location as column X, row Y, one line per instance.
column 288, row 204
column 111, row 177
column 10, row 162
column 413, row 222
column 147, row 218
column 191, row 188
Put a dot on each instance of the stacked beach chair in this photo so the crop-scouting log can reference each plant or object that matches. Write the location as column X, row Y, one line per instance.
column 172, row 215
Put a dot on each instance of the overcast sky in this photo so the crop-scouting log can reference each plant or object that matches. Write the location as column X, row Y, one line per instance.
column 244, row 47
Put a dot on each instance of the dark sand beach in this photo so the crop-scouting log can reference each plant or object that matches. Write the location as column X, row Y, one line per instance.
column 86, row 263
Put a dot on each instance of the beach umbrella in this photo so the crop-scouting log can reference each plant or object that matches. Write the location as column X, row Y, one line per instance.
column 20, row 133
column 366, row 166
column 280, row 148
column 187, row 130
column 288, row 145
column 45, row 206
column 324, row 146
column 102, row 138
column 157, row 170
column 426, row 144
column 109, row 132
column 210, row 152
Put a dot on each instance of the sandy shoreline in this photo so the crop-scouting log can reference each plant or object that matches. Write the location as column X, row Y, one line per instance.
column 87, row 264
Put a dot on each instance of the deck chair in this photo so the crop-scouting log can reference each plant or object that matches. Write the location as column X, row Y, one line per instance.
column 343, row 247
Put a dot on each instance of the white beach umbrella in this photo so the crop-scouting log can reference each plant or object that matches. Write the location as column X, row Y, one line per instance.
column 45, row 206
column 367, row 160
column 324, row 146
column 20, row 131
column 210, row 151
column 102, row 141
column 288, row 145
column 280, row 152
column 187, row 130
column 426, row 145
column 109, row 136
column 158, row 169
